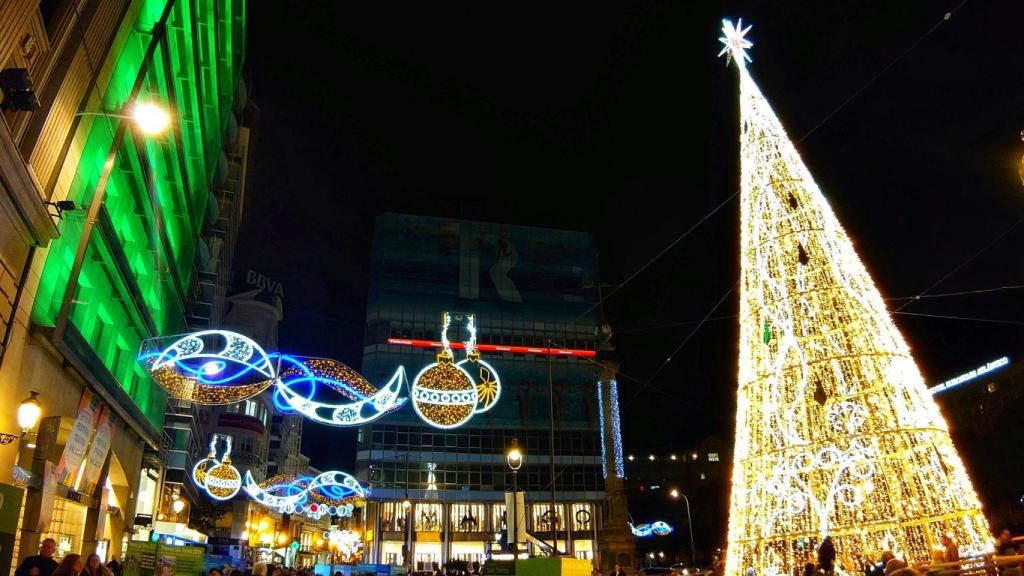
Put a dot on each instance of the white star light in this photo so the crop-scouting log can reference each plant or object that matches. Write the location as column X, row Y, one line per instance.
column 735, row 43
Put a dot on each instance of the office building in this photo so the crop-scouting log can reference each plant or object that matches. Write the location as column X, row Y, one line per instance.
column 531, row 291
column 101, row 214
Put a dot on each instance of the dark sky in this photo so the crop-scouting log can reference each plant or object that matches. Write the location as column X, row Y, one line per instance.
column 621, row 121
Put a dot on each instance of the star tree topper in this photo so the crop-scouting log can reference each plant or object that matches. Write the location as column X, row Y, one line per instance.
column 735, row 43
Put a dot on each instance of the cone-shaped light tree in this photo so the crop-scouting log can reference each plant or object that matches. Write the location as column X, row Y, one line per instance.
column 836, row 433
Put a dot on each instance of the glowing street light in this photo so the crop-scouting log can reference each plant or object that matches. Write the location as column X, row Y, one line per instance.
column 150, row 118
column 177, row 505
column 29, row 412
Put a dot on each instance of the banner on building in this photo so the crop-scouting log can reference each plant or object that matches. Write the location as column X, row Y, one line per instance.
column 78, row 440
column 98, row 451
column 10, row 510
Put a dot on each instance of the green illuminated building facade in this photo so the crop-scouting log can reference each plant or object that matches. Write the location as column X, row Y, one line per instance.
column 81, row 287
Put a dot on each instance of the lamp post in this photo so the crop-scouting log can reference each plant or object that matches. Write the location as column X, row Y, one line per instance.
column 28, row 416
column 407, row 508
column 689, row 522
column 514, row 458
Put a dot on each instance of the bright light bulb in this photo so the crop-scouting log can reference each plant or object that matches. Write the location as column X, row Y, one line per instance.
column 178, row 505
column 212, row 367
column 29, row 412
column 150, row 118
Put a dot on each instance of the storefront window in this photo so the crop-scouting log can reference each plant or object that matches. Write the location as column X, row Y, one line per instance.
column 541, row 514
column 67, row 526
column 428, row 517
column 582, row 517
column 467, row 518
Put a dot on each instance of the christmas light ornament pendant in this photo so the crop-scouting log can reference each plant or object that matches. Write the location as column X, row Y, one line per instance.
column 443, row 394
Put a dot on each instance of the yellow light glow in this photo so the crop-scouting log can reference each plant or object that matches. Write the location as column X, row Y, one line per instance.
column 245, row 535
column 29, row 412
column 836, row 433
column 282, row 538
column 151, row 118
column 264, row 524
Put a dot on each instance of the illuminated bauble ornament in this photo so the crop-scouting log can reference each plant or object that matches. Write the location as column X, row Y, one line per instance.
column 209, row 367
column 444, row 394
column 488, row 384
column 201, row 468
column 223, row 481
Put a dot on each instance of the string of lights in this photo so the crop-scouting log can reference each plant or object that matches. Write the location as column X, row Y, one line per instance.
column 836, row 432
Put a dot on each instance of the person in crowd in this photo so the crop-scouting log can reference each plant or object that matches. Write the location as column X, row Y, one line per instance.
column 41, row 564
column 93, row 567
column 951, row 553
column 618, row 571
column 878, row 569
column 894, row 565
column 1006, row 547
column 71, row 565
column 827, row 556
column 115, row 566
column 809, row 569
column 215, row 572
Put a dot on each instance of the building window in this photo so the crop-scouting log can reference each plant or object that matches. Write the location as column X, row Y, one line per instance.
column 468, row 518
column 712, row 456
column 250, row 408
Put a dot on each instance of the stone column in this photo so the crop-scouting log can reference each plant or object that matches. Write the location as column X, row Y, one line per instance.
column 616, row 544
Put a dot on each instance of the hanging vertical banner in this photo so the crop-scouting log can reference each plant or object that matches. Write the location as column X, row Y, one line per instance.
column 78, row 440
column 97, row 453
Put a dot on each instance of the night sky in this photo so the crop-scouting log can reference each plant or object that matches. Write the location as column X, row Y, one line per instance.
column 621, row 121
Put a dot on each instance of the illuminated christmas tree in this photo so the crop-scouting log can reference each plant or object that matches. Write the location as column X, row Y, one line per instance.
column 836, row 433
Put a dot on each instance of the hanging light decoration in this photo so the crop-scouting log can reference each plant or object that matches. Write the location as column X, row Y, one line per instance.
column 443, row 394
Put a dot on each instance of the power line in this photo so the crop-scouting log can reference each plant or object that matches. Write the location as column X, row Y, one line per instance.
column 683, row 343
column 962, row 264
column 961, row 293
column 947, row 317
column 660, row 254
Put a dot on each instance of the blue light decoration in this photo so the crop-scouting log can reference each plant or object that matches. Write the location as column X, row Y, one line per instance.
column 222, row 367
column 209, row 367
column 329, row 493
column 657, row 528
column 613, row 393
column 971, row 375
column 301, row 378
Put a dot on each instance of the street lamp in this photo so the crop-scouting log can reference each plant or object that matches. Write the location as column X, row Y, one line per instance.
column 28, row 416
column 693, row 550
column 177, row 505
column 514, row 458
column 407, row 507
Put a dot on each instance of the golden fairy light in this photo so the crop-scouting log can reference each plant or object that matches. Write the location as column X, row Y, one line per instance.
column 836, row 433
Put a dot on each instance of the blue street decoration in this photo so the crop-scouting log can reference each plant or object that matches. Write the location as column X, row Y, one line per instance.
column 209, row 367
column 330, row 493
column 657, row 528
column 301, row 378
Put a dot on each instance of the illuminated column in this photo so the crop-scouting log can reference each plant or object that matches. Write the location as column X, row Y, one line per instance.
column 836, row 433
column 616, row 544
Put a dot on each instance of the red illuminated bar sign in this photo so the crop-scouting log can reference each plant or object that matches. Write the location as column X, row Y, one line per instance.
column 495, row 348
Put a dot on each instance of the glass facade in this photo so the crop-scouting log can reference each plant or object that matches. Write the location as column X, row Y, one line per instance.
column 129, row 261
column 528, row 287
